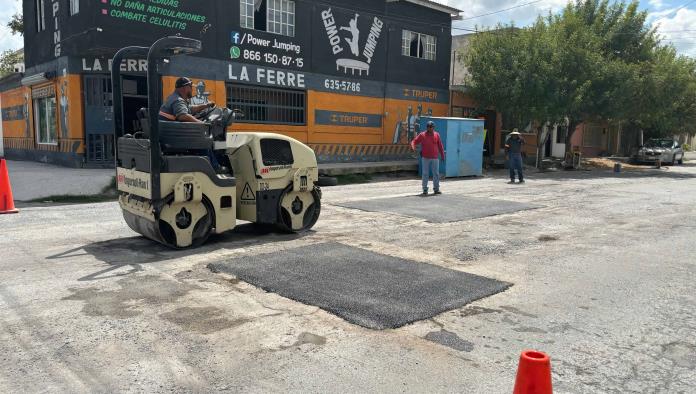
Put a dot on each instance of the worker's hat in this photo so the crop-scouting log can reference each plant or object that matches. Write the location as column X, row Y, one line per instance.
column 515, row 132
column 183, row 81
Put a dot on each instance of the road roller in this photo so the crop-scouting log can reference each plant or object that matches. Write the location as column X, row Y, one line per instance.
column 178, row 182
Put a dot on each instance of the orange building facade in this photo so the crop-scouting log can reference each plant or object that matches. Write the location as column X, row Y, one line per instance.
column 349, row 78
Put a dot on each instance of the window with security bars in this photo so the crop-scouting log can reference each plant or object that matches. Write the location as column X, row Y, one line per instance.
column 281, row 17
column 268, row 105
column 246, row 13
column 418, row 45
column 273, row 16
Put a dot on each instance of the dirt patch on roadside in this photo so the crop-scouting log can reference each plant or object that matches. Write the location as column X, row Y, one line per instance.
column 601, row 163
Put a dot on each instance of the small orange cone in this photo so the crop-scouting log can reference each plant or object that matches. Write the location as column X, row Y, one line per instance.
column 533, row 374
column 6, row 199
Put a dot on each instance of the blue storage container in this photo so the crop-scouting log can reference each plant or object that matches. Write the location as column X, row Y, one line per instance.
column 463, row 141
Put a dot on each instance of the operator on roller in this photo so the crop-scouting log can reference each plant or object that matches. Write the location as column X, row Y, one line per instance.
column 177, row 108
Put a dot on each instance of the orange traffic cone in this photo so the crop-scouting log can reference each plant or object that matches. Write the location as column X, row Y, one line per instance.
column 533, row 374
column 6, row 199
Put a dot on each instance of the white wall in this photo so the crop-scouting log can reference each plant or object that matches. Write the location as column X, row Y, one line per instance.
column 557, row 150
column 458, row 71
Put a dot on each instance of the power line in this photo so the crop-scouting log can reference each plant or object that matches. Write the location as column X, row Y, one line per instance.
column 673, row 11
column 503, row 10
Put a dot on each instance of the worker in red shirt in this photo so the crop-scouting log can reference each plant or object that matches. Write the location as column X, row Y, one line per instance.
column 431, row 150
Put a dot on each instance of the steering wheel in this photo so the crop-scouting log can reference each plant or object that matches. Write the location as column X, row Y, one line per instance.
column 204, row 114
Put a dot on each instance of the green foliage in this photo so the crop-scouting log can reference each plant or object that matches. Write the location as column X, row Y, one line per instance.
column 7, row 61
column 594, row 60
column 16, row 24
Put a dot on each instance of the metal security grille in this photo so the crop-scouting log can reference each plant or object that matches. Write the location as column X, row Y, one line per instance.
column 100, row 148
column 276, row 152
column 268, row 105
column 98, row 91
column 99, row 119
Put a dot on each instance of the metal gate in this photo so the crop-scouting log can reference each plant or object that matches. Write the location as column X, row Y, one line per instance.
column 99, row 119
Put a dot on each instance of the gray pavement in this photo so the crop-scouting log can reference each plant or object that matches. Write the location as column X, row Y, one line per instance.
column 602, row 280
column 32, row 180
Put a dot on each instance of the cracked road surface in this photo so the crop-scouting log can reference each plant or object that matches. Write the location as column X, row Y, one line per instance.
column 603, row 281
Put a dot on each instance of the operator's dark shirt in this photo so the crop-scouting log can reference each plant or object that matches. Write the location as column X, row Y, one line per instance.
column 173, row 107
column 514, row 145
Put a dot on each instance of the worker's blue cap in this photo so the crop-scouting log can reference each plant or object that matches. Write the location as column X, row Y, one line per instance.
column 430, row 123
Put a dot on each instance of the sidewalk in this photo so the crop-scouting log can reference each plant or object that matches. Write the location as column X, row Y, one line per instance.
column 31, row 180
column 334, row 169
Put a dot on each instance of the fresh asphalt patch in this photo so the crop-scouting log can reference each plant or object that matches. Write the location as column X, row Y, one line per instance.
column 444, row 208
column 365, row 288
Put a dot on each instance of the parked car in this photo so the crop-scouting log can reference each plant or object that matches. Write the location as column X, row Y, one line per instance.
column 666, row 150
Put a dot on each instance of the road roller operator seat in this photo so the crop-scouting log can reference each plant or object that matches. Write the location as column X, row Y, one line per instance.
column 178, row 137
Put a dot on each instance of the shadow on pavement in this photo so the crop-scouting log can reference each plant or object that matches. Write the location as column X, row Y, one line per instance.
column 666, row 172
column 136, row 251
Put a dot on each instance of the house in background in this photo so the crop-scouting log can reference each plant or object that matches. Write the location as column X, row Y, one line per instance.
column 592, row 138
column 463, row 106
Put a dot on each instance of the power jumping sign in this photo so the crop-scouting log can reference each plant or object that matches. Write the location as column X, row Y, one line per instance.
column 353, row 54
column 55, row 13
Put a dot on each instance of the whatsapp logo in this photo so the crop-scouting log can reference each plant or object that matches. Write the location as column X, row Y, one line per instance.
column 235, row 52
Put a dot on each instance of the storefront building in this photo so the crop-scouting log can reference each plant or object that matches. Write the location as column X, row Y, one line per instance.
column 349, row 78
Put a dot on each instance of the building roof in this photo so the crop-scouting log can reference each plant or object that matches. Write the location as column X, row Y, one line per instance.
column 433, row 5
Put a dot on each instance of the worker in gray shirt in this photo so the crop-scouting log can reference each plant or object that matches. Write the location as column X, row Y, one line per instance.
column 514, row 147
column 177, row 107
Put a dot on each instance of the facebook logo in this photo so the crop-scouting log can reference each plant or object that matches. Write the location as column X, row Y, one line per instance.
column 235, row 37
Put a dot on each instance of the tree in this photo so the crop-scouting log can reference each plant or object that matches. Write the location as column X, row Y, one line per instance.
column 668, row 95
column 594, row 60
column 7, row 61
column 16, row 24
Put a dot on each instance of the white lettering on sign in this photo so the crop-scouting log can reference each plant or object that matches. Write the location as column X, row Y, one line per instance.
column 267, row 76
column 56, row 30
column 127, row 65
column 352, row 61
column 249, row 39
column 332, row 31
column 372, row 38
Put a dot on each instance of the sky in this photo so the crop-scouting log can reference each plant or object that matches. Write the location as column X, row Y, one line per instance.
column 676, row 18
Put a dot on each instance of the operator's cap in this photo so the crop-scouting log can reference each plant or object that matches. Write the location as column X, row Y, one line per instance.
column 183, row 81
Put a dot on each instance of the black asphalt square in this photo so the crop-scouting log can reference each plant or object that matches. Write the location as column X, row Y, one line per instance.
column 369, row 289
column 445, row 208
